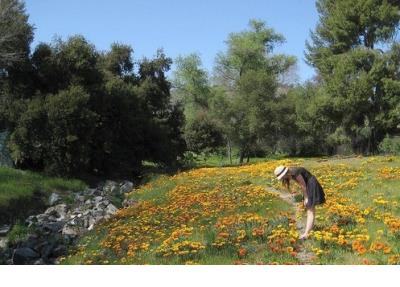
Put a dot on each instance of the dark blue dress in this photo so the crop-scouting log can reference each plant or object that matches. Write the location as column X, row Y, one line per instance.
column 315, row 192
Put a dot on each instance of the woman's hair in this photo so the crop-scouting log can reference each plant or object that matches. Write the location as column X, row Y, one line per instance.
column 286, row 182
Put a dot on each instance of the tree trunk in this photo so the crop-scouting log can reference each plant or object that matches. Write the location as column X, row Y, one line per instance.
column 230, row 151
column 241, row 156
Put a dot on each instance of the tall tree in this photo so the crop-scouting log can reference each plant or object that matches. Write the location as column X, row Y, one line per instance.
column 352, row 49
column 191, row 83
column 249, row 73
column 16, row 33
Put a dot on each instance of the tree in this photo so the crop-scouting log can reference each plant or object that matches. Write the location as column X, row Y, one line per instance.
column 191, row 84
column 351, row 49
column 163, row 132
column 118, row 61
column 16, row 33
column 118, row 144
column 249, row 74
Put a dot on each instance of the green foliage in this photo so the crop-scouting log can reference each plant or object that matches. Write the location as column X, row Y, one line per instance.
column 16, row 34
column 55, row 132
column 88, row 112
column 119, row 60
column 359, row 79
column 71, row 123
column 191, row 83
column 390, row 145
column 202, row 135
column 248, row 73
column 18, row 233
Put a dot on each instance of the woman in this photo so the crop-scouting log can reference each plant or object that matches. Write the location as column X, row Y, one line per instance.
column 312, row 191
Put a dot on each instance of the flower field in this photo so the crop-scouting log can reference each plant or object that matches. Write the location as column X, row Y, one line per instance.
column 233, row 215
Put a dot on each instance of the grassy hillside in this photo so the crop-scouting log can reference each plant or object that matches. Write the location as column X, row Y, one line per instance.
column 24, row 192
column 233, row 215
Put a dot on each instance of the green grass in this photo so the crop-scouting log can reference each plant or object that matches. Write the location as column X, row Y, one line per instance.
column 19, row 232
column 24, row 192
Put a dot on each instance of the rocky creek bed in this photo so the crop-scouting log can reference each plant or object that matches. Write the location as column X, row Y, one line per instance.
column 51, row 233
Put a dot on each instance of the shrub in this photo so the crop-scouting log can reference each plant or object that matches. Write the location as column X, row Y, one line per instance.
column 54, row 133
column 390, row 145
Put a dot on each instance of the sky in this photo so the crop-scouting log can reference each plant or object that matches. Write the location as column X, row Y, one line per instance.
column 180, row 27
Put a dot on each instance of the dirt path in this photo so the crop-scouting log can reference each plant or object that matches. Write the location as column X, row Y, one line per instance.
column 304, row 256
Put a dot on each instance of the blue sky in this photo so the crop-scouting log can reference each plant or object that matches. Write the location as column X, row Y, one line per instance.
column 179, row 27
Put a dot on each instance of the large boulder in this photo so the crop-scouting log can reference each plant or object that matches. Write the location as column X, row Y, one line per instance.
column 24, row 255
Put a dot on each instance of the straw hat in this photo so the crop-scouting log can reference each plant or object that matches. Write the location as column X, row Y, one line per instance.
column 280, row 171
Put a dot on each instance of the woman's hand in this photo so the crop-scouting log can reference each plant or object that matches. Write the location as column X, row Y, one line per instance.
column 305, row 201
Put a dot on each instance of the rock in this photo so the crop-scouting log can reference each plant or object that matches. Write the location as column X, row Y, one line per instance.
column 70, row 231
column 41, row 218
column 98, row 192
column 97, row 212
column 46, row 249
column 59, row 251
column 53, row 227
column 77, row 221
column 126, row 187
column 110, row 187
column 99, row 206
column 59, row 211
column 4, row 230
column 89, row 220
column 90, row 191
column 111, row 209
column 31, row 242
column 24, row 255
column 54, row 198
column 40, row 261
column 79, row 198
column 128, row 202
column 3, row 242
column 88, row 203
column 98, row 199
column 31, row 220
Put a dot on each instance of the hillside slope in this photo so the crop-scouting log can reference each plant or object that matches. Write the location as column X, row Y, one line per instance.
column 232, row 215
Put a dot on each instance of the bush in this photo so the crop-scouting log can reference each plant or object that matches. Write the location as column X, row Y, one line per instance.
column 18, row 233
column 203, row 135
column 54, row 133
column 390, row 145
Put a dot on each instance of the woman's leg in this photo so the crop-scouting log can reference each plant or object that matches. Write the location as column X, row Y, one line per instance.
column 310, row 222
